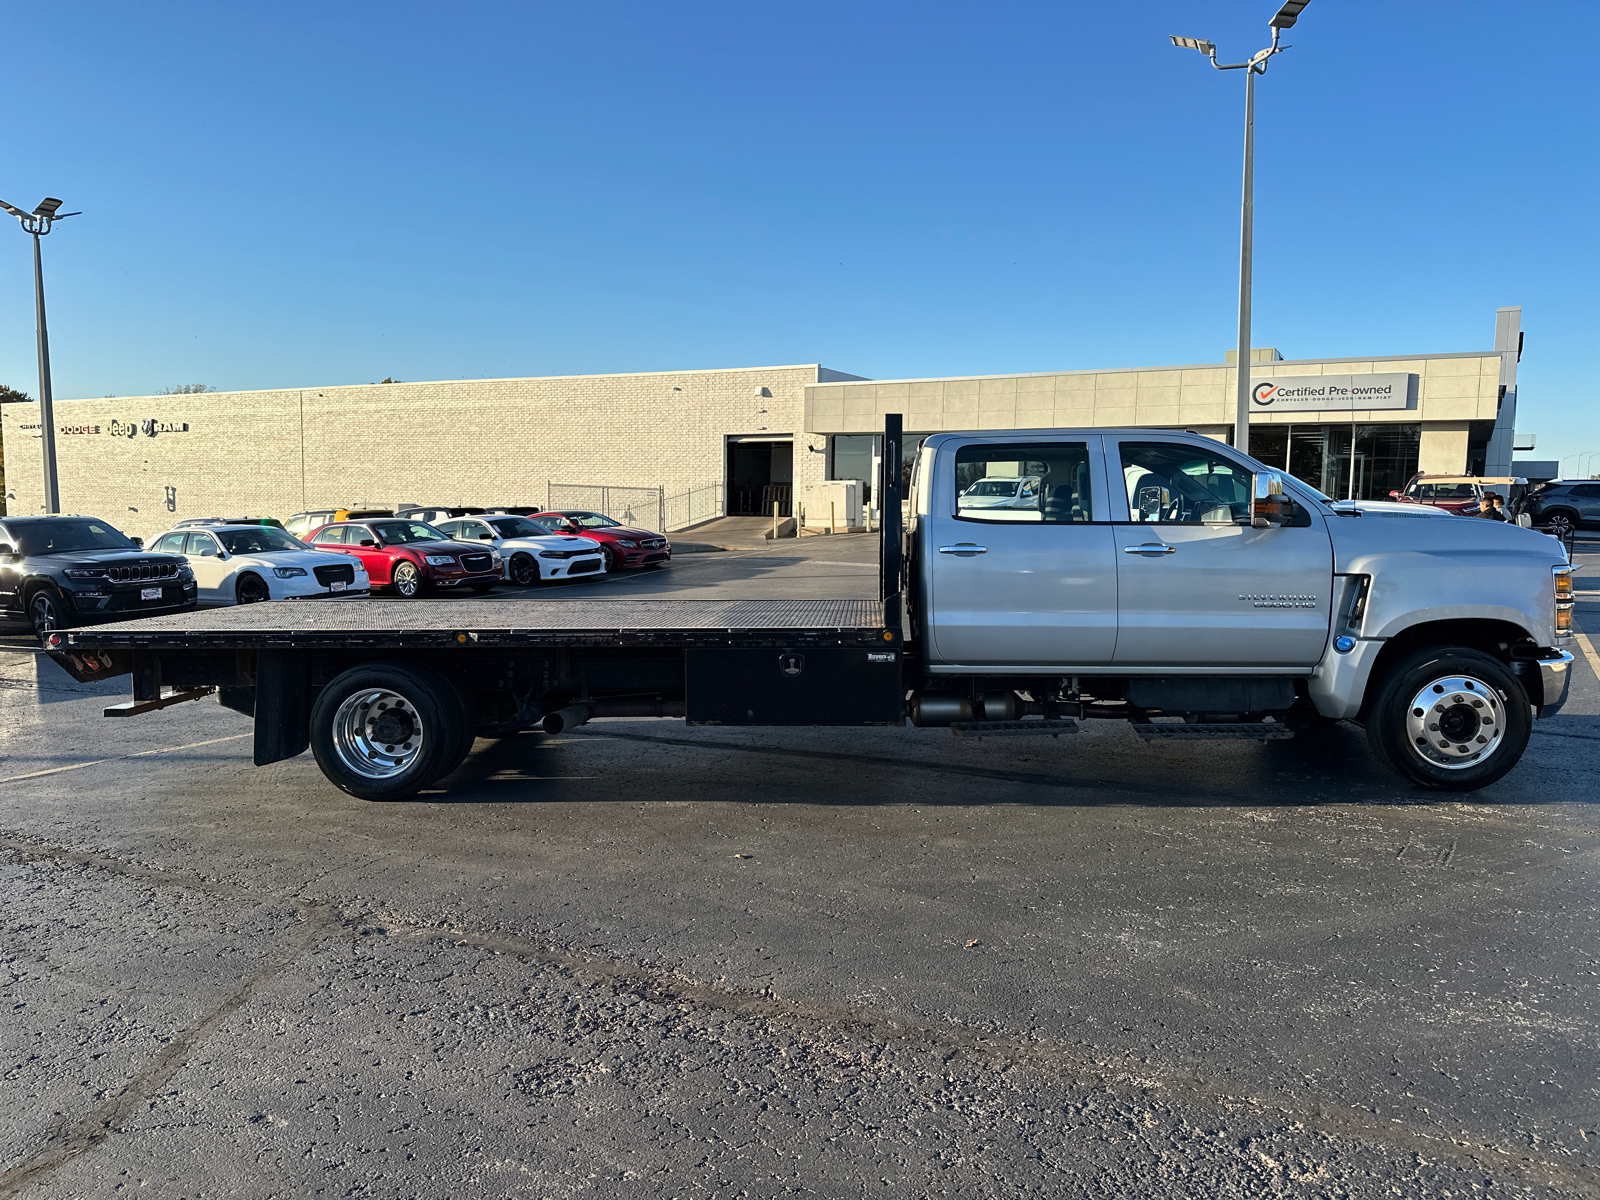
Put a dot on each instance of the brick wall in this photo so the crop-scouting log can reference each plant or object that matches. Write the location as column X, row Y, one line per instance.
column 498, row 441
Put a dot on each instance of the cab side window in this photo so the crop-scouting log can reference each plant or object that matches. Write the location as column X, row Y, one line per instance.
column 449, row 528
column 1173, row 484
column 1041, row 482
column 329, row 537
column 202, row 545
column 169, row 543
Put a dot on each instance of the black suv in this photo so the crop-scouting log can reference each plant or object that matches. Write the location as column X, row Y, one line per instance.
column 1564, row 505
column 63, row 570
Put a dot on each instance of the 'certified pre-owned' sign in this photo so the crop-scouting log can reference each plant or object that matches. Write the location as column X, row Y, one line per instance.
column 1325, row 393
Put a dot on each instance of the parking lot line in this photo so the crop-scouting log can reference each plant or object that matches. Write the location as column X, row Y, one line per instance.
column 1587, row 647
column 120, row 757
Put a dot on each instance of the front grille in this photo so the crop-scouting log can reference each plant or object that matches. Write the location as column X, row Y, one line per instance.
column 653, row 544
column 476, row 562
column 564, row 553
column 337, row 573
column 141, row 572
column 584, row 568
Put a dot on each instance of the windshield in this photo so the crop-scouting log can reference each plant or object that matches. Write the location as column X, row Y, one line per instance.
column 61, row 537
column 515, row 527
column 398, row 533
column 588, row 520
column 257, row 539
column 993, row 487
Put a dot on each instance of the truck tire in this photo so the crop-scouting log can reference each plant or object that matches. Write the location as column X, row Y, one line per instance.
column 383, row 730
column 1450, row 718
column 466, row 708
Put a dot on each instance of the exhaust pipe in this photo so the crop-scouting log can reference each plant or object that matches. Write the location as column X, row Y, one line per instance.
column 564, row 719
column 567, row 718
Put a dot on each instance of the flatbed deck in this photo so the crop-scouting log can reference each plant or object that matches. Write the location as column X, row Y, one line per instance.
column 443, row 624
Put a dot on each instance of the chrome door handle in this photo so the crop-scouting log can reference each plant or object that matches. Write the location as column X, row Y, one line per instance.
column 1150, row 549
column 963, row 548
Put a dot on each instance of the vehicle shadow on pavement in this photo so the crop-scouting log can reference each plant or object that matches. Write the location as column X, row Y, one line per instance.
column 1322, row 766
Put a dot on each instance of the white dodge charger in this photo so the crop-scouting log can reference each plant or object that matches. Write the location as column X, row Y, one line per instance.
column 243, row 563
column 531, row 552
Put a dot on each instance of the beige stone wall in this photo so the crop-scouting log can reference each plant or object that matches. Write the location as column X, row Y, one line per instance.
column 1449, row 387
column 273, row 453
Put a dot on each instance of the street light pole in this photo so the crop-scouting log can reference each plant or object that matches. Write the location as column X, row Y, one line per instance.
column 1255, row 65
column 38, row 223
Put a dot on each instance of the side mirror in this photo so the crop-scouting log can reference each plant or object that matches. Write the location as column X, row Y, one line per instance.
column 369, row 542
column 138, row 543
column 1269, row 505
column 486, row 537
column 1397, row 495
column 5, row 549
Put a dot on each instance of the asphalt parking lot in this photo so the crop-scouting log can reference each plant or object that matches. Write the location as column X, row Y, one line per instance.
column 646, row 960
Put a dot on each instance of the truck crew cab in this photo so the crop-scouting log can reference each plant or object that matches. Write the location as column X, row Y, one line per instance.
column 1159, row 578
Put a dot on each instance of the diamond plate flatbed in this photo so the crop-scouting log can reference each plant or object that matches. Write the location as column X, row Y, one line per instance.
column 439, row 624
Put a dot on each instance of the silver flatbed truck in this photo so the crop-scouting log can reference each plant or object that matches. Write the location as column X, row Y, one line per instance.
column 1155, row 577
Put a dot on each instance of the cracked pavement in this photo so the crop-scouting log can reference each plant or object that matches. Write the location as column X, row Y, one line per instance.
column 645, row 960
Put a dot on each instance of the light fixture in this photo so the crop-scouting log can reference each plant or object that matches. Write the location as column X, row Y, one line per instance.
column 1288, row 14
column 1188, row 43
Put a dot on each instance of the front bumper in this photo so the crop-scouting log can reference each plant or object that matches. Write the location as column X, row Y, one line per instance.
column 1555, row 678
column 118, row 602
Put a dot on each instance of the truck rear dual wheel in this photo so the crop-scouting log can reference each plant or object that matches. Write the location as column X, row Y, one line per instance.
column 383, row 731
column 1450, row 718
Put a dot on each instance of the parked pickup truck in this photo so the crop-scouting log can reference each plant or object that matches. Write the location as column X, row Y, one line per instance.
column 1159, row 578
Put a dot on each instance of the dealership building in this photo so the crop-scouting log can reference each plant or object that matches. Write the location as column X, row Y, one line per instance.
column 674, row 448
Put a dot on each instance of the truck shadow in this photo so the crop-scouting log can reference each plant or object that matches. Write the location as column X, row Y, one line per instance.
column 633, row 761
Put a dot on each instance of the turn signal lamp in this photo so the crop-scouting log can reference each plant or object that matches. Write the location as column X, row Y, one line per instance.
column 1564, row 600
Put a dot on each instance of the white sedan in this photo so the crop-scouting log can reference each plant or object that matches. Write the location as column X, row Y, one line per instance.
column 530, row 550
column 242, row 564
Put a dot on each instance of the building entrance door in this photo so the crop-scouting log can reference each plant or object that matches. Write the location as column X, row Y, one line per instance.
column 760, row 474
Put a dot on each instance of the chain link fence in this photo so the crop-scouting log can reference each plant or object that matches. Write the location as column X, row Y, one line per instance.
column 642, row 507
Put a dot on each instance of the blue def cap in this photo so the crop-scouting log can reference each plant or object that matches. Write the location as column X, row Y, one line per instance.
column 1344, row 644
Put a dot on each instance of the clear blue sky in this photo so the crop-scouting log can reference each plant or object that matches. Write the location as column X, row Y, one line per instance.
column 296, row 194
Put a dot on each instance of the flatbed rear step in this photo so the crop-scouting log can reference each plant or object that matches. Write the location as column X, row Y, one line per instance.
column 988, row 728
column 1222, row 731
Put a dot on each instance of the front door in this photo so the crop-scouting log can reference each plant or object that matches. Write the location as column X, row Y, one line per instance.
column 1198, row 585
column 1018, row 581
column 376, row 562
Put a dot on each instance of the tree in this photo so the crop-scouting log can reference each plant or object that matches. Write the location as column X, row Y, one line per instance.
column 186, row 389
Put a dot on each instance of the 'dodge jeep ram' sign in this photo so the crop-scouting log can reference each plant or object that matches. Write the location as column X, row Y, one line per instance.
column 1329, row 393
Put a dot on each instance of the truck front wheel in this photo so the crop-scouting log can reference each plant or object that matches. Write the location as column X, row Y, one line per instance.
column 1450, row 718
column 382, row 731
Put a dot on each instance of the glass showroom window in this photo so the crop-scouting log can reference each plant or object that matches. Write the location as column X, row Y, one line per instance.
column 1362, row 462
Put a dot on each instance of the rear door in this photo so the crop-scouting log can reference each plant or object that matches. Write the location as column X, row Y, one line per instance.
column 1020, row 587
column 210, row 571
column 1198, row 585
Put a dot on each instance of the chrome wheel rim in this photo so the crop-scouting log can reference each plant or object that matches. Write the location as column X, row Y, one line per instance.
column 1561, row 525
column 406, row 580
column 1456, row 722
column 44, row 614
column 377, row 733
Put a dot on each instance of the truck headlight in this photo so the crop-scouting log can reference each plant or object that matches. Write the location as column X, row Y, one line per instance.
column 1564, row 600
column 288, row 572
column 85, row 572
column 440, row 560
column 628, row 544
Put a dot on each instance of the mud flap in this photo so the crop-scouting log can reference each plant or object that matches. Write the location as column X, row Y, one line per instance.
column 282, row 705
